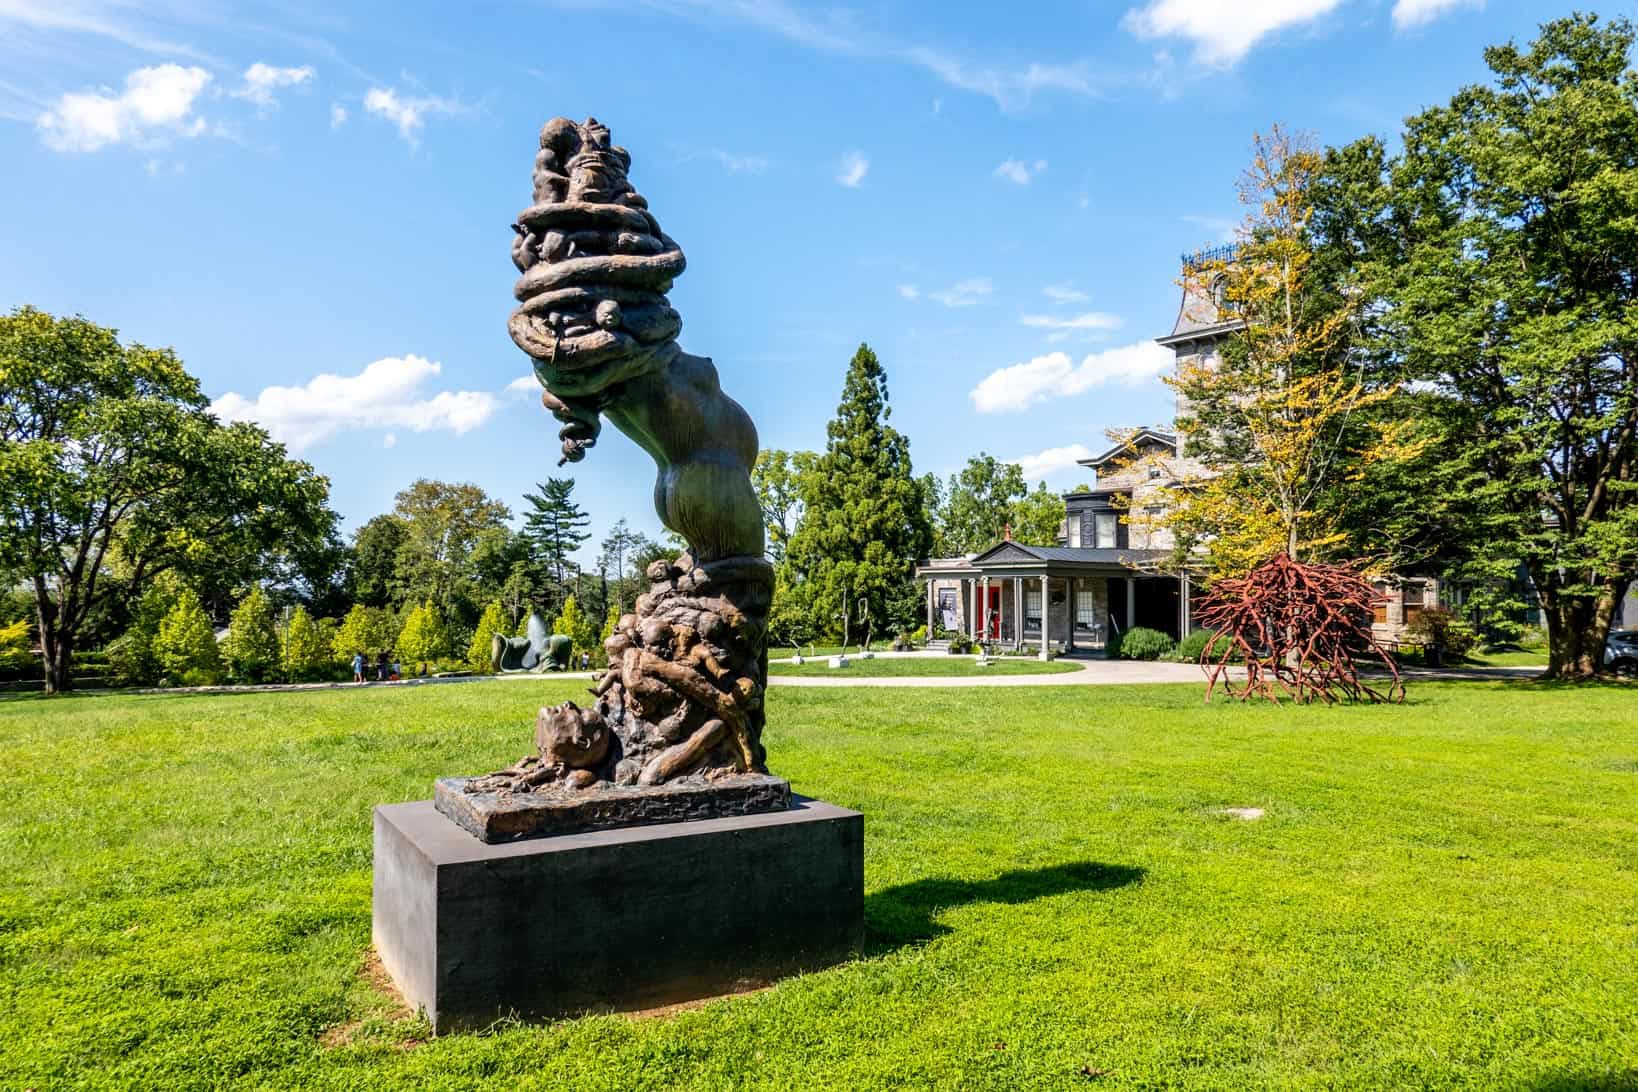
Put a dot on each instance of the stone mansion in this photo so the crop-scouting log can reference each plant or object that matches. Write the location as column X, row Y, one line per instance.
column 1100, row 577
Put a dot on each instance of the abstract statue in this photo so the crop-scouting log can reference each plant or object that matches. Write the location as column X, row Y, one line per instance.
column 541, row 650
column 682, row 697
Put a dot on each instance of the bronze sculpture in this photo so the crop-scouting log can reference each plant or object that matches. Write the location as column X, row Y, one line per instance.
column 682, row 697
column 540, row 650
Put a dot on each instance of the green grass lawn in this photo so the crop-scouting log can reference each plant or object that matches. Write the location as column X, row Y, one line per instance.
column 1512, row 658
column 899, row 667
column 1440, row 895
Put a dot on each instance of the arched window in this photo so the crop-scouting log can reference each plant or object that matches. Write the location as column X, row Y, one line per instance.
column 1219, row 291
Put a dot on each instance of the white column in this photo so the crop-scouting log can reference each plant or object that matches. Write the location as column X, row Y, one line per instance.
column 1046, row 615
column 932, row 599
column 1131, row 602
column 1069, row 610
column 1001, row 609
column 1182, row 605
column 972, row 620
column 1018, row 612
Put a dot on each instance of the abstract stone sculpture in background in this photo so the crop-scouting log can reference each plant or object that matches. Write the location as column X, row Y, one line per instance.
column 540, row 650
column 682, row 697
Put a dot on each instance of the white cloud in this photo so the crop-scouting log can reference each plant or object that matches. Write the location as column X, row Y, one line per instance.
column 740, row 164
column 1223, row 33
column 964, row 293
column 409, row 112
column 852, row 168
column 1014, row 389
column 524, row 384
column 390, row 440
column 262, row 80
column 1018, row 171
column 1222, row 229
column 387, row 394
column 157, row 102
column 1044, row 464
column 1064, row 293
column 1091, row 320
column 1409, row 14
column 1012, row 89
column 338, row 115
column 909, row 291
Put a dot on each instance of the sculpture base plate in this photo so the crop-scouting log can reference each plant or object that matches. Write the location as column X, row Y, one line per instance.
column 497, row 817
column 612, row 920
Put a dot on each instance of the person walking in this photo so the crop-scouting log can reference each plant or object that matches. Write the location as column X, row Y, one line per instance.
column 358, row 667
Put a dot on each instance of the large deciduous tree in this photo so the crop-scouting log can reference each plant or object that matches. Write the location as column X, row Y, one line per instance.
column 778, row 477
column 445, row 523
column 1284, row 411
column 1502, row 266
column 110, row 458
column 865, row 524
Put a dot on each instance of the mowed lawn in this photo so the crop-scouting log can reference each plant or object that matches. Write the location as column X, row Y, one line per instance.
column 923, row 666
column 1439, row 895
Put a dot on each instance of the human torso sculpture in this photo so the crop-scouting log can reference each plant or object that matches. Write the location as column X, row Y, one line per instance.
column 682, row 697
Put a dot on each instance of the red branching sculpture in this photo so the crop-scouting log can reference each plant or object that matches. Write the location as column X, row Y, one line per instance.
column 1297, row 629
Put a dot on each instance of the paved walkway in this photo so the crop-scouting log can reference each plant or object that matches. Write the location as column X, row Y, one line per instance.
column 1093, row 672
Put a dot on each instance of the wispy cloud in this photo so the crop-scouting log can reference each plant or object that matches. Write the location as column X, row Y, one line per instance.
column 157, row 103
column 1221, row 228
column 1055, row 375
column 1064, row 293
column 338, row 115
column 909, row 291
column 1054, row 460
column 1012, row 88
column 964, row 293
column 1020, row 172
column 1224, row 33
column 852, row 168
column 409, row 113
column 262, row 81
column 66, row 18
column 1090, row 321
column 1409, row 14
column 387, row 394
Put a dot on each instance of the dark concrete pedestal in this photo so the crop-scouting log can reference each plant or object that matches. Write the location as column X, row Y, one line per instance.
column 615, row 919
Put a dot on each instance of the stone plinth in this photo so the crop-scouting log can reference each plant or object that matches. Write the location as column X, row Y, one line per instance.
column 496, row 817
column 615, row 919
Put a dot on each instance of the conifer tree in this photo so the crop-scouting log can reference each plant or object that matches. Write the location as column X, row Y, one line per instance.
column 555, row 527
column 252, row 646
column 186, row 644
column 366, row 630
column 305, row 653
column 865, row 522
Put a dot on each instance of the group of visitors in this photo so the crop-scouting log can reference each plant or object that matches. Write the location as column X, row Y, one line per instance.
column 386, row 668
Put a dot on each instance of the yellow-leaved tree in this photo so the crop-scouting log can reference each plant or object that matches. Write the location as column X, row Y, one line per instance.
column 1277, row 413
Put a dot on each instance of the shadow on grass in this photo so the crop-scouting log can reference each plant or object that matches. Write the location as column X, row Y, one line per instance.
column 903, row 915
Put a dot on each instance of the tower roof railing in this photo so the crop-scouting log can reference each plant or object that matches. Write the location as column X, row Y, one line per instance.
column 1227, row 252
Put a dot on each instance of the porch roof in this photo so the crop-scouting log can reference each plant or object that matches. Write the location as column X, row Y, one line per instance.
column 1017, row 559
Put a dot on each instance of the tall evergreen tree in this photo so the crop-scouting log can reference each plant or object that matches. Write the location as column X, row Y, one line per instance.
column 866, row 522
column 556, row 527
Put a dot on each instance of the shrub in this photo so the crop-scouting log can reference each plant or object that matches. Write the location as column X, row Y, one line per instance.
column 1139, row 643
column 16, row 658
column 186, row 644
column 961, row 644
column 580, row 629
column 492, row 623
column 1192, row 647
column 423, row 638
column 252, row 646
column 364, row 629
column 1442, row 627
column 304, row 651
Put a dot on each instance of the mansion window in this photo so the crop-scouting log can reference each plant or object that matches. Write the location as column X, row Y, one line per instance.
column 1379, row 609
column 1103, row 530
column 1414, row 600
column 1075, row 529
column 1032, row 607
column 1086, row 610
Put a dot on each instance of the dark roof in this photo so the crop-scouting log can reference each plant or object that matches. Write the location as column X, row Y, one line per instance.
column 1167, row 438
column 1089, row 555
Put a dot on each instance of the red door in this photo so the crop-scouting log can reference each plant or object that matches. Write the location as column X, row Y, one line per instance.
column 992, row 616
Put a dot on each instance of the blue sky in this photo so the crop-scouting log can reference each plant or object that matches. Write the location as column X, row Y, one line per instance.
column 312, row 205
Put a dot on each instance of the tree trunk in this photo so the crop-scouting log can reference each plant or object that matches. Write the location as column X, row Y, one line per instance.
column 1577, row 627
column 59, row 662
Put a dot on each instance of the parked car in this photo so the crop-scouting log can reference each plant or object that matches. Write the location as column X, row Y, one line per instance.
column 1621, row 652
